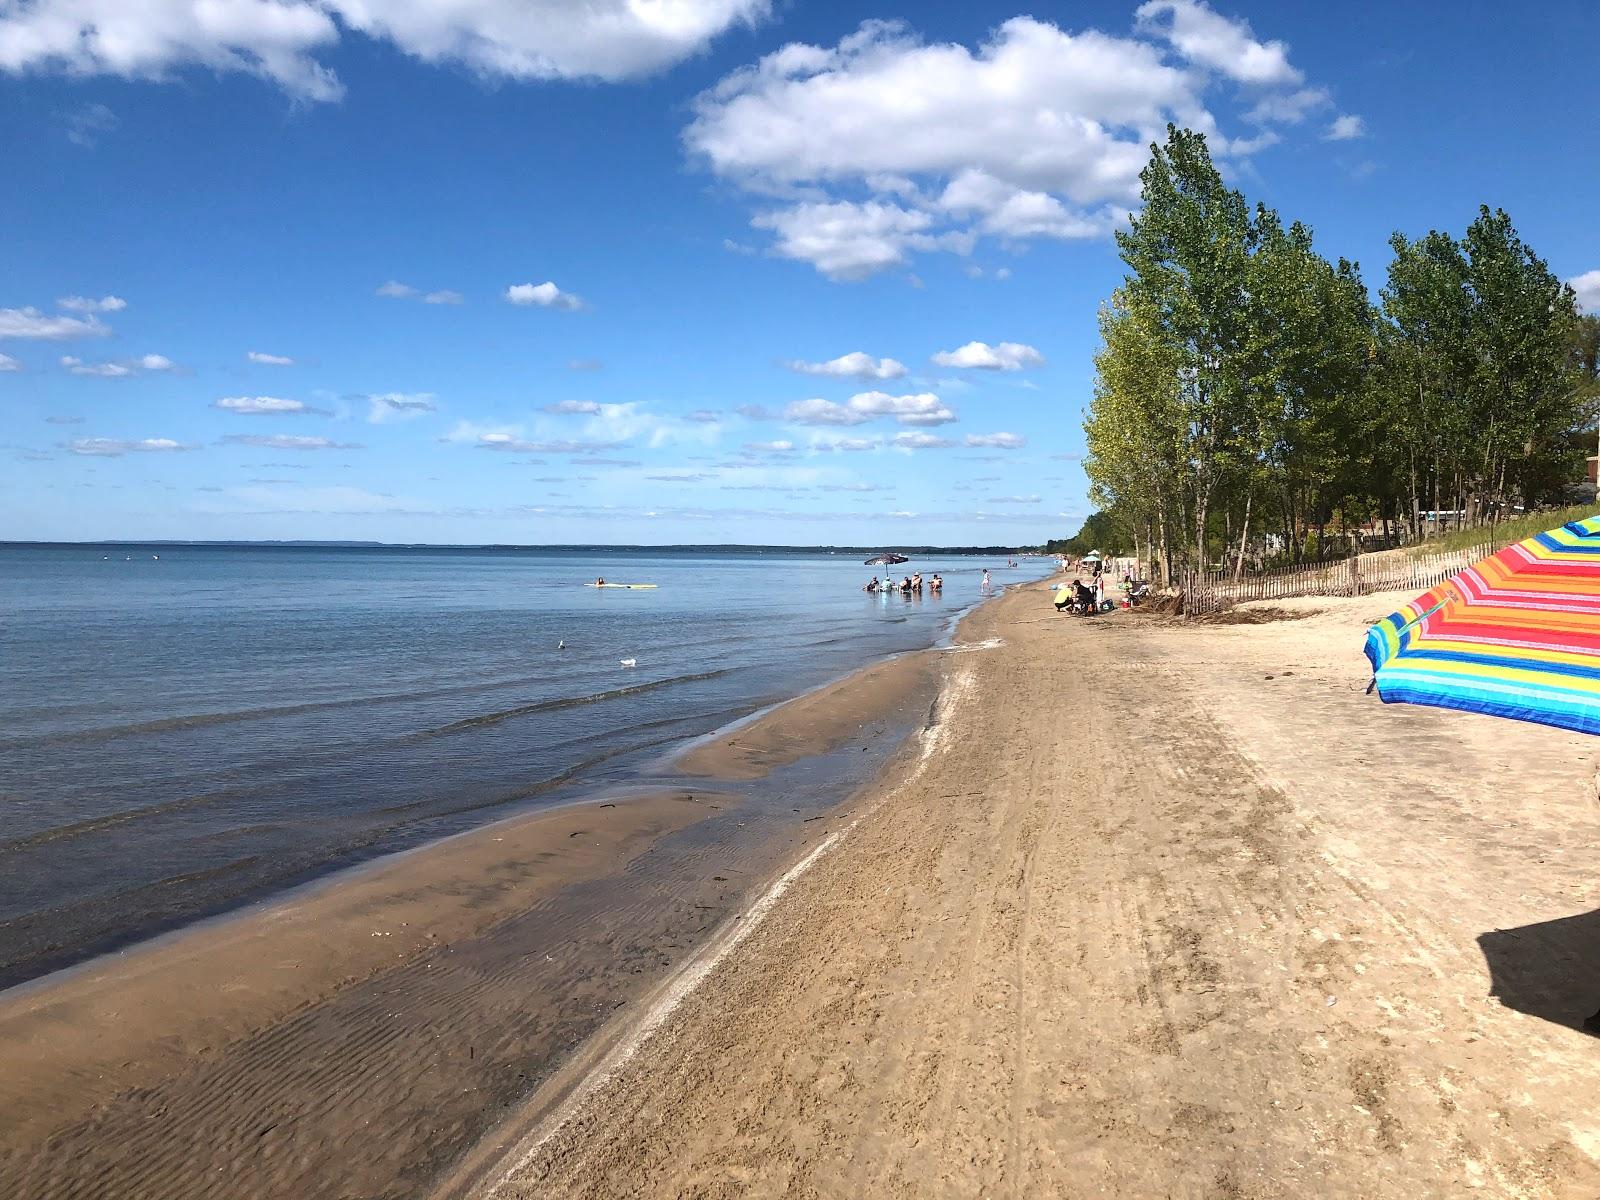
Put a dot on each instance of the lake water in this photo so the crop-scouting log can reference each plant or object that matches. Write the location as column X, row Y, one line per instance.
column 182, row 727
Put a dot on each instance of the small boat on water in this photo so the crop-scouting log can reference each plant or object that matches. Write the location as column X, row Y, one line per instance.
column 635, row 587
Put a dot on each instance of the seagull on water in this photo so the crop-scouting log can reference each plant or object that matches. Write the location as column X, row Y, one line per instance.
column 630, row 662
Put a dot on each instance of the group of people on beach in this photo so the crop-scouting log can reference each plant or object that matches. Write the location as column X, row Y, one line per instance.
column 1084, row 599
column 911, row 584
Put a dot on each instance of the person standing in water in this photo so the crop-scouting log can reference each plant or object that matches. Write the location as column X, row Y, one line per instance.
column 985, row 584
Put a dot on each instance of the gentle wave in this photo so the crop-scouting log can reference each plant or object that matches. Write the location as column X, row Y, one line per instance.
column 106, row 733
column 539, row 706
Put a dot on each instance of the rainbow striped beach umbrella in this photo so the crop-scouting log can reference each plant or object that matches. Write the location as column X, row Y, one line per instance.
column 1517, row 635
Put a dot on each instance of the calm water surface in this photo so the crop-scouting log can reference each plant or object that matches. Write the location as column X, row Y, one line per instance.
column 182, row 727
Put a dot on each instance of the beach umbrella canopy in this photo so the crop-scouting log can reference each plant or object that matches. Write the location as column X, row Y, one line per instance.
column 888, row 559
column 1516, row 635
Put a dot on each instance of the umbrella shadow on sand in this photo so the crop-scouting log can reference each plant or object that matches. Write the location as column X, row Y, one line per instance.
column 1550, row 969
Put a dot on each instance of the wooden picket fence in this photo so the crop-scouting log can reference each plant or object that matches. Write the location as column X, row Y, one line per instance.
column 1212, row 591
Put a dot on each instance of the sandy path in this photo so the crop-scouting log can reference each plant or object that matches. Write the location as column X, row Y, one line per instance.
column 1149, row 922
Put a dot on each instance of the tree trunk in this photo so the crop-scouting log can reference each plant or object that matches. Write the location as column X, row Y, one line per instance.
column 1244, row 534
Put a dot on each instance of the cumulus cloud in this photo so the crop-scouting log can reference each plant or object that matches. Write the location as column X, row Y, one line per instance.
column 48, row 327
column 545, row 295
column 156, row 362
column 1000, row 441
column 1346, row 128
column 1007, row 356
column 923, row 408
column 395, row 290
column 284, row 441
column 1587, row 286
column 279, row 40
column 87, row 304
column 778, row 447
column 7, row 363
column 572, row 406
column 891, row 145
column 399, row 406
column 855, row 365
column 1208, row 39
column 117, row 447
column 260, row 405
column 270, row 360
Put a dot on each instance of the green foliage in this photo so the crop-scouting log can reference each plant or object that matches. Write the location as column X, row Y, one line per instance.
column 1099, row 532
column 1247, row 386
column 1512, row 530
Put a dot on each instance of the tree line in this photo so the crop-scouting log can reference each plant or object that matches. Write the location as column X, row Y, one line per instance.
column 1251, row 399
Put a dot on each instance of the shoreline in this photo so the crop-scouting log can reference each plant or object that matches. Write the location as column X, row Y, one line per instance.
column 94, row 1040
column 1229, row 927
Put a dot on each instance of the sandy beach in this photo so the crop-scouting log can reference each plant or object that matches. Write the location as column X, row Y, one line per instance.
column 1137, row 908
column 1149, row 909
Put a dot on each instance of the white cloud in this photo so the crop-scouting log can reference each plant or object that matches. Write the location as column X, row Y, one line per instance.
column 921, row 441
column 1346, row 128
column 1008, row 211
column 855, row 365
column 395, row 290
column 399, row 406
column 588, row 407
column 284, row 441
column 104, row 370
column 1007, row 356
column 851, row 444
column 116, row 447
column 1209, row 39
column 260, row 405
column 846, row 240
column 86, row 125
column 278, row 40
column 512, row 442
column 923, row 408
column 778, row 447
column 1290, row 108
column 545, row 295
column 886, row 145
column 121, row 369
column 270, row 360
column 7, row 363
column 1000, row 441
column 1587, row 286
column 86, row 304
column 50, row 327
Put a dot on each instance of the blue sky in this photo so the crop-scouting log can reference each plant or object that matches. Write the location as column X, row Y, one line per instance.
column 699, row 270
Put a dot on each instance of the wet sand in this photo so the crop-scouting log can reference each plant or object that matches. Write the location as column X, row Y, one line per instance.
column 354, row 1038
column 897, row 691
column 1149, row 909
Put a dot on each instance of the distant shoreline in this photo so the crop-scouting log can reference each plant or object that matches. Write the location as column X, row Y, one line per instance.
column 560, row 547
